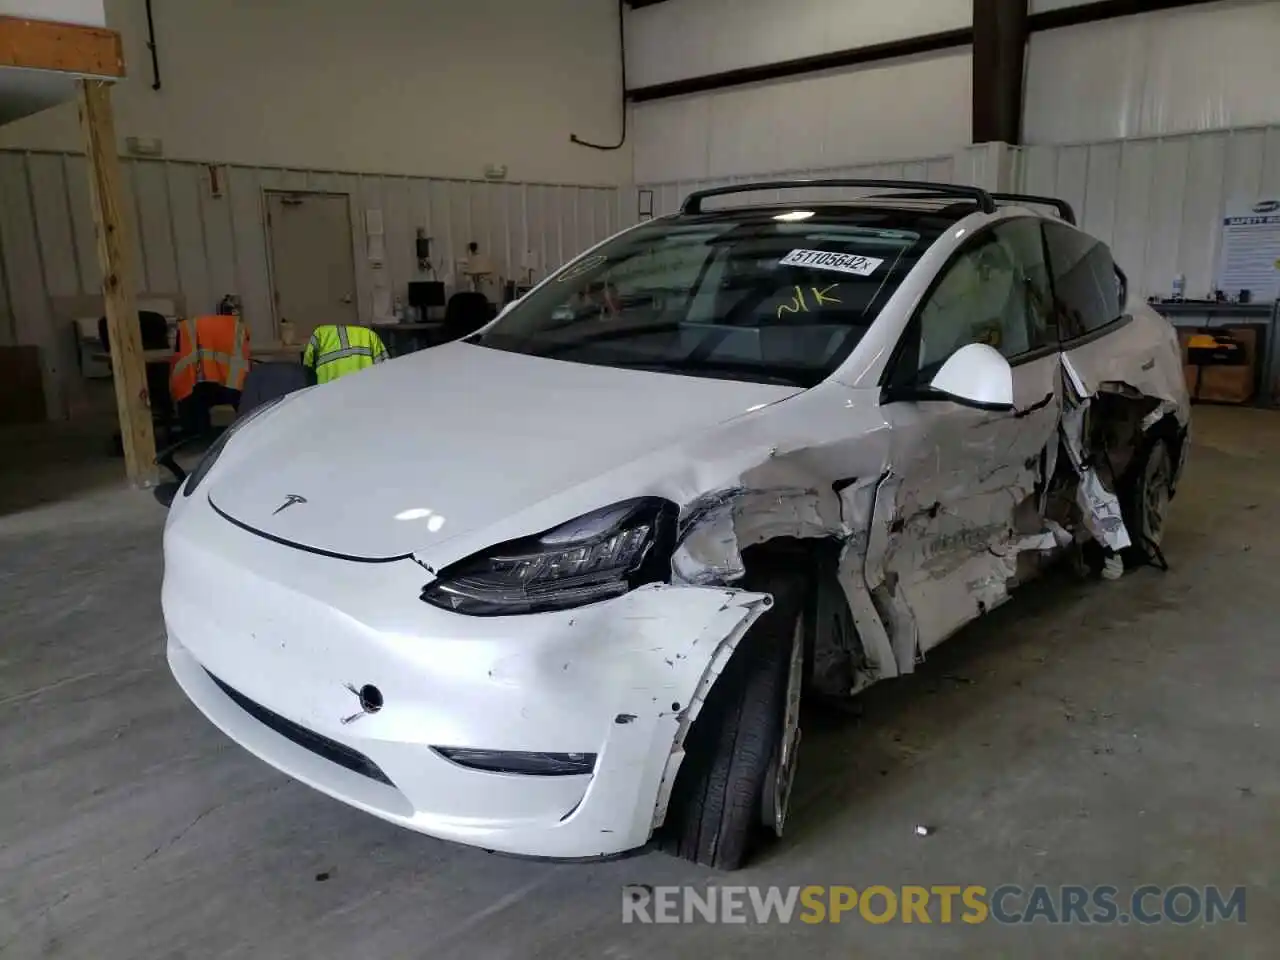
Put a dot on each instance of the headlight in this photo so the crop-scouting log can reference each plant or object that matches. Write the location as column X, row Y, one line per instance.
column 211, row 455
column 597, row 556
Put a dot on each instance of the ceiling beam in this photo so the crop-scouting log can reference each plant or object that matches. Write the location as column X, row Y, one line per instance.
column 1101, row 10
column 64, row 47
column 894, row 49
column 837, row 59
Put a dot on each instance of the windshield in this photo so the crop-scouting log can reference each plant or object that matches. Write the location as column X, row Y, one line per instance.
column 741, row 296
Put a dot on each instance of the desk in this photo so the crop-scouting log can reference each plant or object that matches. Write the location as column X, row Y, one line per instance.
column 1265, row 317
column 148, row 356
column 276, row 353
column 270, row 353
column 419, row 335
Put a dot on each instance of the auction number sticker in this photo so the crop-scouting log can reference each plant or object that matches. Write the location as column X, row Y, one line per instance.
column 825, row 260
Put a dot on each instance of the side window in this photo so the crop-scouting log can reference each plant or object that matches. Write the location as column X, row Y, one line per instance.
column 1088, row 290
column 996, row 292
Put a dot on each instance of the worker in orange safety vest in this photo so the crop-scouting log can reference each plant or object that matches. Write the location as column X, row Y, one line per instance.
column 208, row 367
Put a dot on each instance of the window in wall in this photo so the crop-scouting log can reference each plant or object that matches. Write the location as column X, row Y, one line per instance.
column 996, row 292
column 1088, row 291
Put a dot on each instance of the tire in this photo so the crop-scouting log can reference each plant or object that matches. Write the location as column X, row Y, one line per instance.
column 1145, row 501
column 723, row 794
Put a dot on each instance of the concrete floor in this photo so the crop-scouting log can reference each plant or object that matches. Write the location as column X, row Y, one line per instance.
column 1086, row 734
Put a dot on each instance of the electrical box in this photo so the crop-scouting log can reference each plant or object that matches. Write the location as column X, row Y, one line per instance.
column 144, row 146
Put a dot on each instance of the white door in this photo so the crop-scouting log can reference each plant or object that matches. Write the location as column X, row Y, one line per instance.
column 312, row 264
column 963, row 486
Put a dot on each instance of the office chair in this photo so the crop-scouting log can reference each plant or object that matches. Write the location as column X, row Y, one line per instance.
column 155, row 336
column 466, row 313
column 267, row 381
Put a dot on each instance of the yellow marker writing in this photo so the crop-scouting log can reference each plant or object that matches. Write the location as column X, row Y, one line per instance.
column 797, row 304
column 824, row 296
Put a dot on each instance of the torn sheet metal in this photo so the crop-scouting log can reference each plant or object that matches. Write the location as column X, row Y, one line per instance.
column 714, row 530
column 1099, row 506
column 1143, row 353
column 1101, row 510
column 717, row 527
column 950, row 513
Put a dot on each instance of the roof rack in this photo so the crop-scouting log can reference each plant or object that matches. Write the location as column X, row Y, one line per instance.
column 693, row 202
column 1064, row 209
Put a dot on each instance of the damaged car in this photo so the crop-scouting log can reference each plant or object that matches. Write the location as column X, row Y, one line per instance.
column 558, row 589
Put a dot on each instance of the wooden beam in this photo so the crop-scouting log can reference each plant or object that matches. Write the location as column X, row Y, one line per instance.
column 1000, row 30
column 128, row 367
column 67, row 47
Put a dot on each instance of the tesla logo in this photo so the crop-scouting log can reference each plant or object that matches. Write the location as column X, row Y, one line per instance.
column 289, row 501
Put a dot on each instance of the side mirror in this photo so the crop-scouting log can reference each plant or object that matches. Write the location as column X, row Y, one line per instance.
column 976, row 375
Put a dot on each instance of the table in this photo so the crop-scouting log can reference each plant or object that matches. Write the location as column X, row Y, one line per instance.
column 1265, row 317
column 419, row 335
column 148, row 356
column 277, row 353
column 269, row 353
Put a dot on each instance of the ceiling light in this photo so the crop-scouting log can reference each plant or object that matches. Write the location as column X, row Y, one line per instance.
column 794, row 215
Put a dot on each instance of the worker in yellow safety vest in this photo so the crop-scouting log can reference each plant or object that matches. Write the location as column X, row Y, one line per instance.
column 335, row 351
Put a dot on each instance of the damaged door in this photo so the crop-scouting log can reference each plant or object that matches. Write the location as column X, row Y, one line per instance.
column 959, row 497
column 1107, row 352
column 1100, row 337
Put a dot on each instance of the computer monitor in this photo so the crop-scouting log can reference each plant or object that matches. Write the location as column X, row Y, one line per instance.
column 426, row 294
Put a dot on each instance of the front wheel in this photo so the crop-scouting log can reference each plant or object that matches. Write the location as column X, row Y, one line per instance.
column 734, row 785
column 1146, row 500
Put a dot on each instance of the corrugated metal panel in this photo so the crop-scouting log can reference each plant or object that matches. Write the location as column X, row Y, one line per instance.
column 190, row 244
column 250, row 241
column 672, row 41
column 187, row 240
column 1159, row 202
column 25, row 272
column 155, row 226
column 1210, row 66
column 828, row 120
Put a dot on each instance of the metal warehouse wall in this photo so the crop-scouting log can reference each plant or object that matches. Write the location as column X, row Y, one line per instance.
column 1211, row 66
column 1159, row 201
column 674, row 41
column 188, row 241
column 873, row 114
column 396, row 86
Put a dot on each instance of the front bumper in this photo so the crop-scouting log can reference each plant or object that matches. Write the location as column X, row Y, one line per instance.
column 272, row 643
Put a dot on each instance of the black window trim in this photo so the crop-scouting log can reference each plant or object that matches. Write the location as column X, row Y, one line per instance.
column 1066, row 343
column 1028, row 356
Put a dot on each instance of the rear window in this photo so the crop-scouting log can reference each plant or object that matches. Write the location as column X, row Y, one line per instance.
column 754, row 297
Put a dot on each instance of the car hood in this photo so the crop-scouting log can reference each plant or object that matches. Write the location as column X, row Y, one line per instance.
column 406, row 455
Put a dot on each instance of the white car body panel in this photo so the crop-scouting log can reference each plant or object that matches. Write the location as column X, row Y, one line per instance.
column 549, row 427
column 418, row 463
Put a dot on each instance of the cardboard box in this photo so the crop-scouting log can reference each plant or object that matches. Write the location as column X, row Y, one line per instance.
column 1233, row 384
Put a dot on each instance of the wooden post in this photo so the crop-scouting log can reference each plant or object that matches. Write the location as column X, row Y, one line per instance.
column 128, row 366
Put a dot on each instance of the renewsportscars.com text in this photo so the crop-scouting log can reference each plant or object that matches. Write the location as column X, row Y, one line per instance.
column 943, row 904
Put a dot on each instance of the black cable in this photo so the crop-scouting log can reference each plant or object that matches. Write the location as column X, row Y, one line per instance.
column 622, row 53
column 151, row 45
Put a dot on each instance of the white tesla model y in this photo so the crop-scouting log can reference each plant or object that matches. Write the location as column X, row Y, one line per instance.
column 560, row 586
